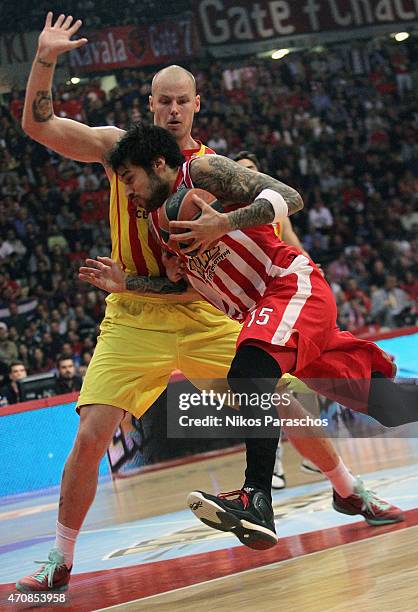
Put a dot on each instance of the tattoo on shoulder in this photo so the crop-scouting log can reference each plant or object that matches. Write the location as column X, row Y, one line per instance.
column 232, row 183
column 156, row 284
column 42, row 110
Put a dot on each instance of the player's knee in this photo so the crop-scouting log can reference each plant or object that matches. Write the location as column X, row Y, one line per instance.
column 253, row 368
column 94, row 434
column 89, row 446
column 392, row 404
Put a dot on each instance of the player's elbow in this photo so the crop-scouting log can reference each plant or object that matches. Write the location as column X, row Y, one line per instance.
column 37, row 127
column 297, row 202
column 26, row 126
column 29, row 127
column 41, row 132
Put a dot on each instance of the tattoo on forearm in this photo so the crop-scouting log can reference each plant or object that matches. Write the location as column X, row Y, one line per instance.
column 232, row 183
column 42, row 110
column 260, row 212
column 44, row 63
column 156, row 284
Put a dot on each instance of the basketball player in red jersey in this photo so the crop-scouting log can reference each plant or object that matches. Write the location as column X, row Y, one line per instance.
column 144, row 327
column 286, row 307
column 285, row 232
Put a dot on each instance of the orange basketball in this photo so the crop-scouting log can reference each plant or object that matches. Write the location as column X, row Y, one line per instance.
column 181, row 207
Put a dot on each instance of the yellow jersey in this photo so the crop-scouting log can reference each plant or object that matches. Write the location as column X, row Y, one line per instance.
column 133, row 245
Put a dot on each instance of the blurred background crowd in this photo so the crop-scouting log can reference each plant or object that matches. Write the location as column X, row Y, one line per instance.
column 339, row 124
column 26, row 15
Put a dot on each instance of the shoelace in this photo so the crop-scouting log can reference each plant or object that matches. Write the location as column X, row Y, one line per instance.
column 48, row 569
column 369, row 499
column 242, row 496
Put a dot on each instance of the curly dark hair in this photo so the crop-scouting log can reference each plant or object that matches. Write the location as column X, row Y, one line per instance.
column 142, row 144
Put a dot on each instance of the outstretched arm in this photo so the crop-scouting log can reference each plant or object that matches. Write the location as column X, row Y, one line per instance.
column 107, row 274
column 65, row 136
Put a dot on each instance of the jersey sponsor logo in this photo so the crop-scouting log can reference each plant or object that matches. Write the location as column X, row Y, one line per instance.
column 205, row 265
column 135, row 210
column 141, row 213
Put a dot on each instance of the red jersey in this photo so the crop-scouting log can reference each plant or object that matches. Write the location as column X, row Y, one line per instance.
column 286, row 307
column 234, row 275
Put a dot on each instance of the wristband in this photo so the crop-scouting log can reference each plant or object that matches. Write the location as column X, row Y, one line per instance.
column 281, row 210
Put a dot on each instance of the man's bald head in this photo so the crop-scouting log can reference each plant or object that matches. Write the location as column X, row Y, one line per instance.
column 172, row 74
column 174, row 102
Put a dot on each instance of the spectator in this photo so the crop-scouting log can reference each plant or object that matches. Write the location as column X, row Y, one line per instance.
column 13, row 244
column 15, row 319
column 85, row 323
column 391, row 304
column 67, row 379
column 339, row 269
column 410, row 286
column 218, row 144
column 320, row 217
column 8, row 349
column 10, row 392
column 409, row 219
column 39, row 362
column 24, row 355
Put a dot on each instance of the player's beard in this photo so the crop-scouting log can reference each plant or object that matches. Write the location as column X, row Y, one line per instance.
column 160, row 191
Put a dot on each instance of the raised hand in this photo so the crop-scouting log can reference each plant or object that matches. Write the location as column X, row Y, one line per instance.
column 56, row 39
column 104, row 273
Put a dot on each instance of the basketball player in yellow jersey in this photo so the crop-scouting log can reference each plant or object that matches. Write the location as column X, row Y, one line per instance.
column 157, row 327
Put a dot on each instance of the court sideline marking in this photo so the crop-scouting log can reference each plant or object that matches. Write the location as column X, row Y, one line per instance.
column 269, row 566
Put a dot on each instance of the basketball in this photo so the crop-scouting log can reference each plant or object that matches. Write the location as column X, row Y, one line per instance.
column 181, row 207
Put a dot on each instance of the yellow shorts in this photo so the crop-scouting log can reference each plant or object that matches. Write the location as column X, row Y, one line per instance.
column 142, row 340
column 296, row 385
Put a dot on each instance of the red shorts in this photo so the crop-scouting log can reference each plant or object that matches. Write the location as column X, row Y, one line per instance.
column 295, row 322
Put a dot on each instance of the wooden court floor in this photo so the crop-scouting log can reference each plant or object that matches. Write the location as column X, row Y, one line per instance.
column 375, row 575
column 337, row 569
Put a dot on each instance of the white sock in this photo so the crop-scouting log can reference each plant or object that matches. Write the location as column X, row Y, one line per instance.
column 65, row 539
column 341, row 479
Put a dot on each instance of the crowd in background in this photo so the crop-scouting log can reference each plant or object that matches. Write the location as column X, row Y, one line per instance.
column 338, row 124
column 27, row 15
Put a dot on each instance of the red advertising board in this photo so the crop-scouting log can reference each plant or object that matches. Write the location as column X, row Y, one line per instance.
column 130, row 46
column 231, row 22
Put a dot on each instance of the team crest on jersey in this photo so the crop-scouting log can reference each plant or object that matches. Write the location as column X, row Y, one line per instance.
column 205, row 265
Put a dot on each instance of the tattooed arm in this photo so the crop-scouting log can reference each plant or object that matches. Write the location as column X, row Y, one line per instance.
column 65, row 136
column 232, row 184
column 157, row 284
column 108, row 275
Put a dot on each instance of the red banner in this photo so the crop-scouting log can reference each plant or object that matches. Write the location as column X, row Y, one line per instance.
column 130, row 46
column 231, row 22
